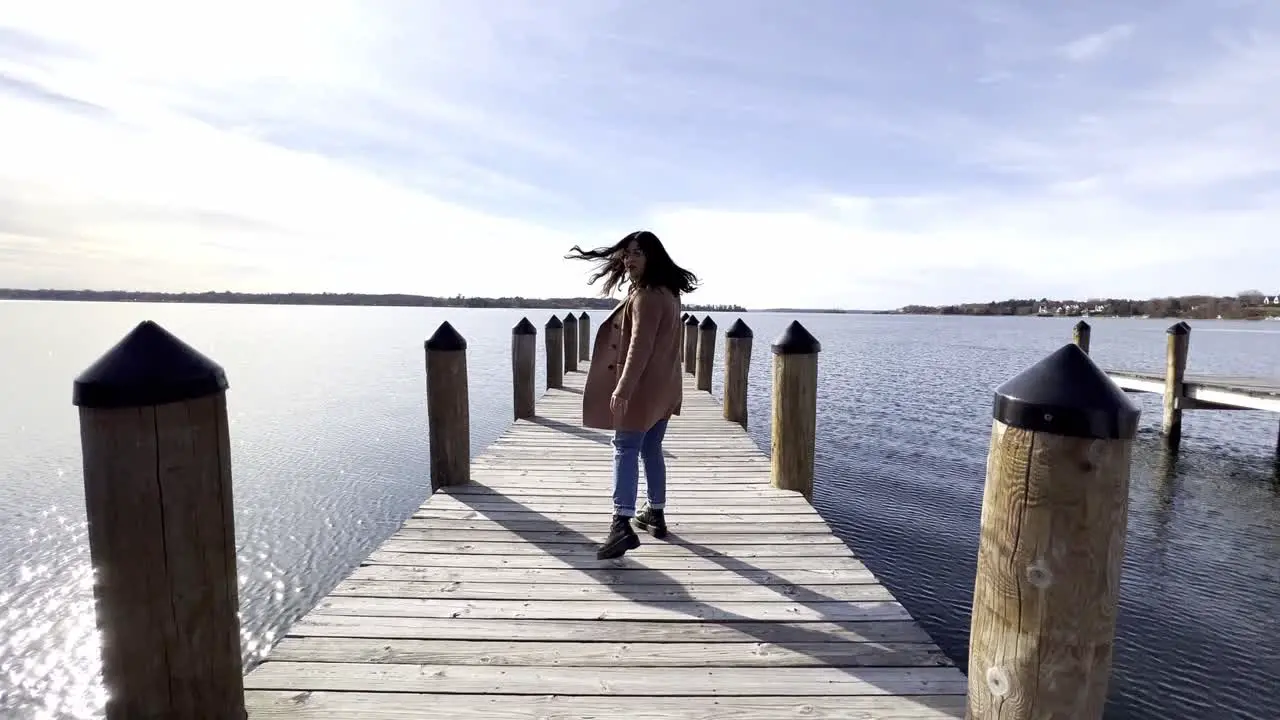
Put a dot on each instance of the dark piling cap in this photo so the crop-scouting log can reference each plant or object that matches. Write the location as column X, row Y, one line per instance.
column 1067, row 394
column 149, row 366
column 554, row 323
column 684, row 316
column 738, row 329
column 524, row 327
column 584, row 316
column 1179, row 328
column 570, row 319
column 707, row 323
column 795, row 340
column 446, row 339
column 691, row 320
column 1082, row 325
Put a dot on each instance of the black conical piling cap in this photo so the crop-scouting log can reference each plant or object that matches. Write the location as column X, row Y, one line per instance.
column 570, row 319
column 554, row 323
column 584, row 316
column 1179, row 328
column 149, row 366
column 524, row 327
column 691, row 320
column 684, row 316
column 707, row 323
column 738, row 329
column 446, row 339
column 1067, row 394
column 795, row 340
column 1082, row 325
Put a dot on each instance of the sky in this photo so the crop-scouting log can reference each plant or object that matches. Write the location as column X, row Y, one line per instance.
column 826, row 153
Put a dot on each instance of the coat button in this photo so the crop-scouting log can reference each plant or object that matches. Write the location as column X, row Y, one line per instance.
column 610, row 367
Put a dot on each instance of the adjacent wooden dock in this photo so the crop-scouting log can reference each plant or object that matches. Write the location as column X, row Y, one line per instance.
column 489, row 602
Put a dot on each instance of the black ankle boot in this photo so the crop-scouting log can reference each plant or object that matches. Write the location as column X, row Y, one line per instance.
column 621, row 539
column 653, row 520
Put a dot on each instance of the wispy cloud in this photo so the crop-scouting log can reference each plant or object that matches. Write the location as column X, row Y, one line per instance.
column 874, row 154
column 1095, row 45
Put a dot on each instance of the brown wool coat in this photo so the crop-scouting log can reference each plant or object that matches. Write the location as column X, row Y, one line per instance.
column 637, row 354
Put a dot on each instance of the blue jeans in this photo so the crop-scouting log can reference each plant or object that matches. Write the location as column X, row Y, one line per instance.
column 628, row 448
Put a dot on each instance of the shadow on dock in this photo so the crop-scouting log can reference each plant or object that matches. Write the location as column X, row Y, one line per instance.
column 800, row 640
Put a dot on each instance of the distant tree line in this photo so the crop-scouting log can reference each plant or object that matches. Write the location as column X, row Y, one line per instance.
column 384, row 300
column 1248, row 305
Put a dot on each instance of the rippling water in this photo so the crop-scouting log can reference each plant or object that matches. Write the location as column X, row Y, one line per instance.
column 328, row 427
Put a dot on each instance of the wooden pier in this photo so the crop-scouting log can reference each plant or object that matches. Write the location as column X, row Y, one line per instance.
column 489, row 601
column 1183, row 391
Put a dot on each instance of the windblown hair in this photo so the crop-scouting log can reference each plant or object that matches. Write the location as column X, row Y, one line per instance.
column 659, row 269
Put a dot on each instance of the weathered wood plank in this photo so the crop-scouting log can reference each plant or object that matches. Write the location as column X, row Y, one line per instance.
column 628, row 562
column 624, row 681
column 623, row 609
column 633, row 592
column 625, row 576
column 585, row 551
column 726, row 541
column 625, row 631
column 607, row 654
column 325, row 705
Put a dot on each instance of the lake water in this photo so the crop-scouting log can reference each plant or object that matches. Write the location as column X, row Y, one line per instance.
column 329, row 437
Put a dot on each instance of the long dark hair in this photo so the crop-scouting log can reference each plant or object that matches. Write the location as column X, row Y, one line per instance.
column 659, row 269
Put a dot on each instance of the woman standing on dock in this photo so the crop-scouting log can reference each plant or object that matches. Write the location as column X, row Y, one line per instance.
column 634, row 386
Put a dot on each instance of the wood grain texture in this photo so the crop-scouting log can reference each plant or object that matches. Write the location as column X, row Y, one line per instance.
column 570, row 343
column 1177, row 347
column 553, row 339
column 737, row 370
column 706, row 362
column 690, row 349
column 584, row 338
column 448, row 418
column 524, row 351
column 795, row 419
column 489, row 602
column 1053, row 522
column 158, row 499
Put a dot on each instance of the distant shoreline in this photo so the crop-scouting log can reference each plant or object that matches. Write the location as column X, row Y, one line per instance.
column 328, row 299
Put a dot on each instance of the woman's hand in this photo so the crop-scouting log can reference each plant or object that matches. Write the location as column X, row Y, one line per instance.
column 617, row 404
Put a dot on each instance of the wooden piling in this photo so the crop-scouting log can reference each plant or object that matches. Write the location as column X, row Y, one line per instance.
column 795, row 409
column 706, row 362
column 570, row 324
column 737, row 370
column 1080, row 335
column 1178, row 345
column 448, row 408
column 554, row 340
column 683, row 317
column 524, row 350
column 1053, row 522
column 159, row 502
column 690, row 344
column 584, row 337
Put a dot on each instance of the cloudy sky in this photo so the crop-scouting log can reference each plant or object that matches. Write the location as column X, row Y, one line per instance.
column 818, row 153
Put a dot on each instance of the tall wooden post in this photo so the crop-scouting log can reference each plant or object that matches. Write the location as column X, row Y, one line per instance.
column 584, row 337
column 1054, row 512
column 795, row 409
column 737, row 370
column 1179, row 342
column 690, row 344
column 570, row 324
column 682, row 318
column 706, row 353
column 158, row 496
column 554, row 334
column 524, row 351
column 448, row 408
column 1080, row 335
